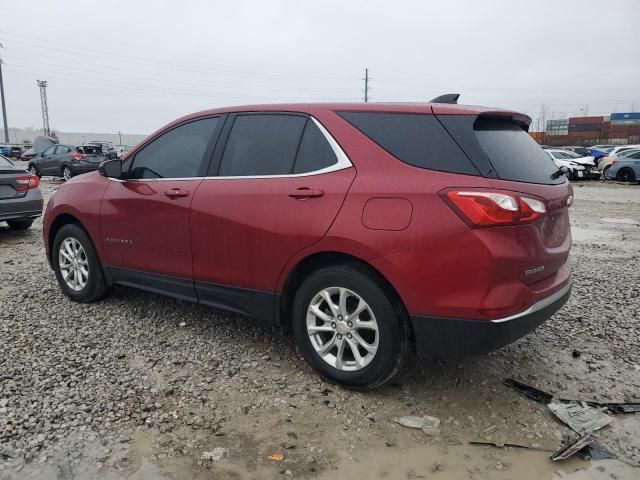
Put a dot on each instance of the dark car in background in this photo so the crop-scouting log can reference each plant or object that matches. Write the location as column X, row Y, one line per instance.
column 106, row 147
column 67, row 161
column 20, row 197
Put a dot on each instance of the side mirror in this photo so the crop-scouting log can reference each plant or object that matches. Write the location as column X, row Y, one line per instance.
column 111, row 169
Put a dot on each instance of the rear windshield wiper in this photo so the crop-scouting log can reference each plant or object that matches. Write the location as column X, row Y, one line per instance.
column 559, row 172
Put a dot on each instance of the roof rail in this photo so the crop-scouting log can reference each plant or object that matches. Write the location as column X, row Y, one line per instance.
column 446, row 98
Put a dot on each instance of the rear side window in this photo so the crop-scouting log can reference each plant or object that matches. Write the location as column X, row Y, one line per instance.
column 314, row 153
column 513, row 153
column 175, row 154
column 419, row 140
column 262, row 144
column 61, row 149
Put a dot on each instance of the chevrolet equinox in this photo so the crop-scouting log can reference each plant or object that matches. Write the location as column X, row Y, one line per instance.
column 364, row 228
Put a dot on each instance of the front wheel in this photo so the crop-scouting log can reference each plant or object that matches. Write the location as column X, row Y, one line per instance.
column 605, row 172
column 348, row 327
column 33, row 170
column 76, row 265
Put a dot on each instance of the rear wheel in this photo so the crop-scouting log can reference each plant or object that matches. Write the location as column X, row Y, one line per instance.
column 605, row 172
column 76, row 265
column 348, row 328
column 21, row 224
column 66, row 172
column 626, row 175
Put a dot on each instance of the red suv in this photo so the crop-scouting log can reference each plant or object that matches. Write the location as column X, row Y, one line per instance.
column 364, row 227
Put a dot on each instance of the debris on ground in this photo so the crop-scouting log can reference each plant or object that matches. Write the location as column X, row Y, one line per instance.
column 544, row 397
column 218, row 453
column 276, row 457
column 572, row 447
column 509, row 445
column 580, row 418
column 429, row 425
column 595, row 451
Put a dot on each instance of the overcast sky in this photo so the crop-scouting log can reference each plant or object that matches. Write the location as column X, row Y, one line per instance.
column 136, row 65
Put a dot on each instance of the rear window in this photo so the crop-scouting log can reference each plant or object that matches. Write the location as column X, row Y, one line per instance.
column 417, row 139
column 513, row 153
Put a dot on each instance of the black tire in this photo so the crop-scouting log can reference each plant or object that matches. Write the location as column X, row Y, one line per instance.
column 66, row 172
column 96, row 286
column 605, row 172
column 626, row 175
column 390, row 317
column 20, row 224
column 34, row 170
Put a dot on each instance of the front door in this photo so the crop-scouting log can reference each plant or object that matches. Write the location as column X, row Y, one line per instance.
column 47, row 160
column 279, row 187
column 145, row 217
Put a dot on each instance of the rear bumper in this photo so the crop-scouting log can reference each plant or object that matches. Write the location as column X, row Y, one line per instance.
column 451, row 337
column 29, row 206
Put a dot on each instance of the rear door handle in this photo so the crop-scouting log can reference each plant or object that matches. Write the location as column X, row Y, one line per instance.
column 176, row 192
column 306, row 192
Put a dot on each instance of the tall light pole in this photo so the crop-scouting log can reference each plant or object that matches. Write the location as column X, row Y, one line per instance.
column 45, row 110
column 4, row 108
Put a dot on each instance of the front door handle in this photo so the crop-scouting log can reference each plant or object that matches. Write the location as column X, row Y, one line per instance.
column 176, row 192
column 306, row 192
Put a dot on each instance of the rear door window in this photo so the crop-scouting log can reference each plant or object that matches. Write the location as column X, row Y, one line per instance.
column 417, row 139
column 262, row 144
column 314, row 153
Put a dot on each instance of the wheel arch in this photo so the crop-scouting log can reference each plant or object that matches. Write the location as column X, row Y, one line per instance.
column 318, row 260
column 60, row 221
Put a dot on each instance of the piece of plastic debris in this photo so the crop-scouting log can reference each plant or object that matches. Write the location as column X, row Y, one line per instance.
column 528, row 391
column 582, row 419
column 595, row 451
column 544, row 397
column 276, row 457
column 429, row 425
column 572, row 448
column 214, row 455
column 410, row 421
column 182, row 324
column 490, row 430
column 511, row 445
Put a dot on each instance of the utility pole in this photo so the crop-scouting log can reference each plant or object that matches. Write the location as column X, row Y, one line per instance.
column 45, row 110
column 120, row 137
column 4, row 108
column 366, row 85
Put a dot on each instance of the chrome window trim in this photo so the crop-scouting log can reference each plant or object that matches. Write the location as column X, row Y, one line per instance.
column 545, row 302
column 342, row 163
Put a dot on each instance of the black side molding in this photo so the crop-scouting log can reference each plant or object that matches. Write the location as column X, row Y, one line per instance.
column 446, row 98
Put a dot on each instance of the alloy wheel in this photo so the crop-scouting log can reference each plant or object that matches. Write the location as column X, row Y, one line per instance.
column 342, row 328
column 66, row 173
column 73, row 263
column 33, row 170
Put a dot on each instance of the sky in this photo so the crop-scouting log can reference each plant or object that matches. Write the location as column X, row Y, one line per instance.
column 133, row 66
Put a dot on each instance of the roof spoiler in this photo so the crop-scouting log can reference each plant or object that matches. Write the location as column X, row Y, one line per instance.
column 446, row 98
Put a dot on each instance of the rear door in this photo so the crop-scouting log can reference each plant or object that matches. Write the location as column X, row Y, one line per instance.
column 274, row 188
column 145, row 217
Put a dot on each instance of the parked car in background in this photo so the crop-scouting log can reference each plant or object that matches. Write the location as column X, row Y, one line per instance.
column 359, row 226
column 5, row 150
column 579, row 167
column 28, row 154
column 20, row 198
column 605, row 164
column 626, row 169
column 604, row 148
column 581, row 151
column 621, row 148
column 16, row 151
column 106, row 147
column 66, row 161
column 122, row 150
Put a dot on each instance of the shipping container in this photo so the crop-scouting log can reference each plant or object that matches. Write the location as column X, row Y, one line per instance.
column 585, row 127
column 625, row 116
column 586, row 120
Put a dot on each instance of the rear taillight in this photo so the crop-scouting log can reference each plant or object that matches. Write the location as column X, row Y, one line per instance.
column 79, row 156
column 489, row 209
column 27, row 183
column 615, row 160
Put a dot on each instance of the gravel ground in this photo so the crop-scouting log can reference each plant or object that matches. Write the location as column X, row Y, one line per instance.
column 141, row 386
